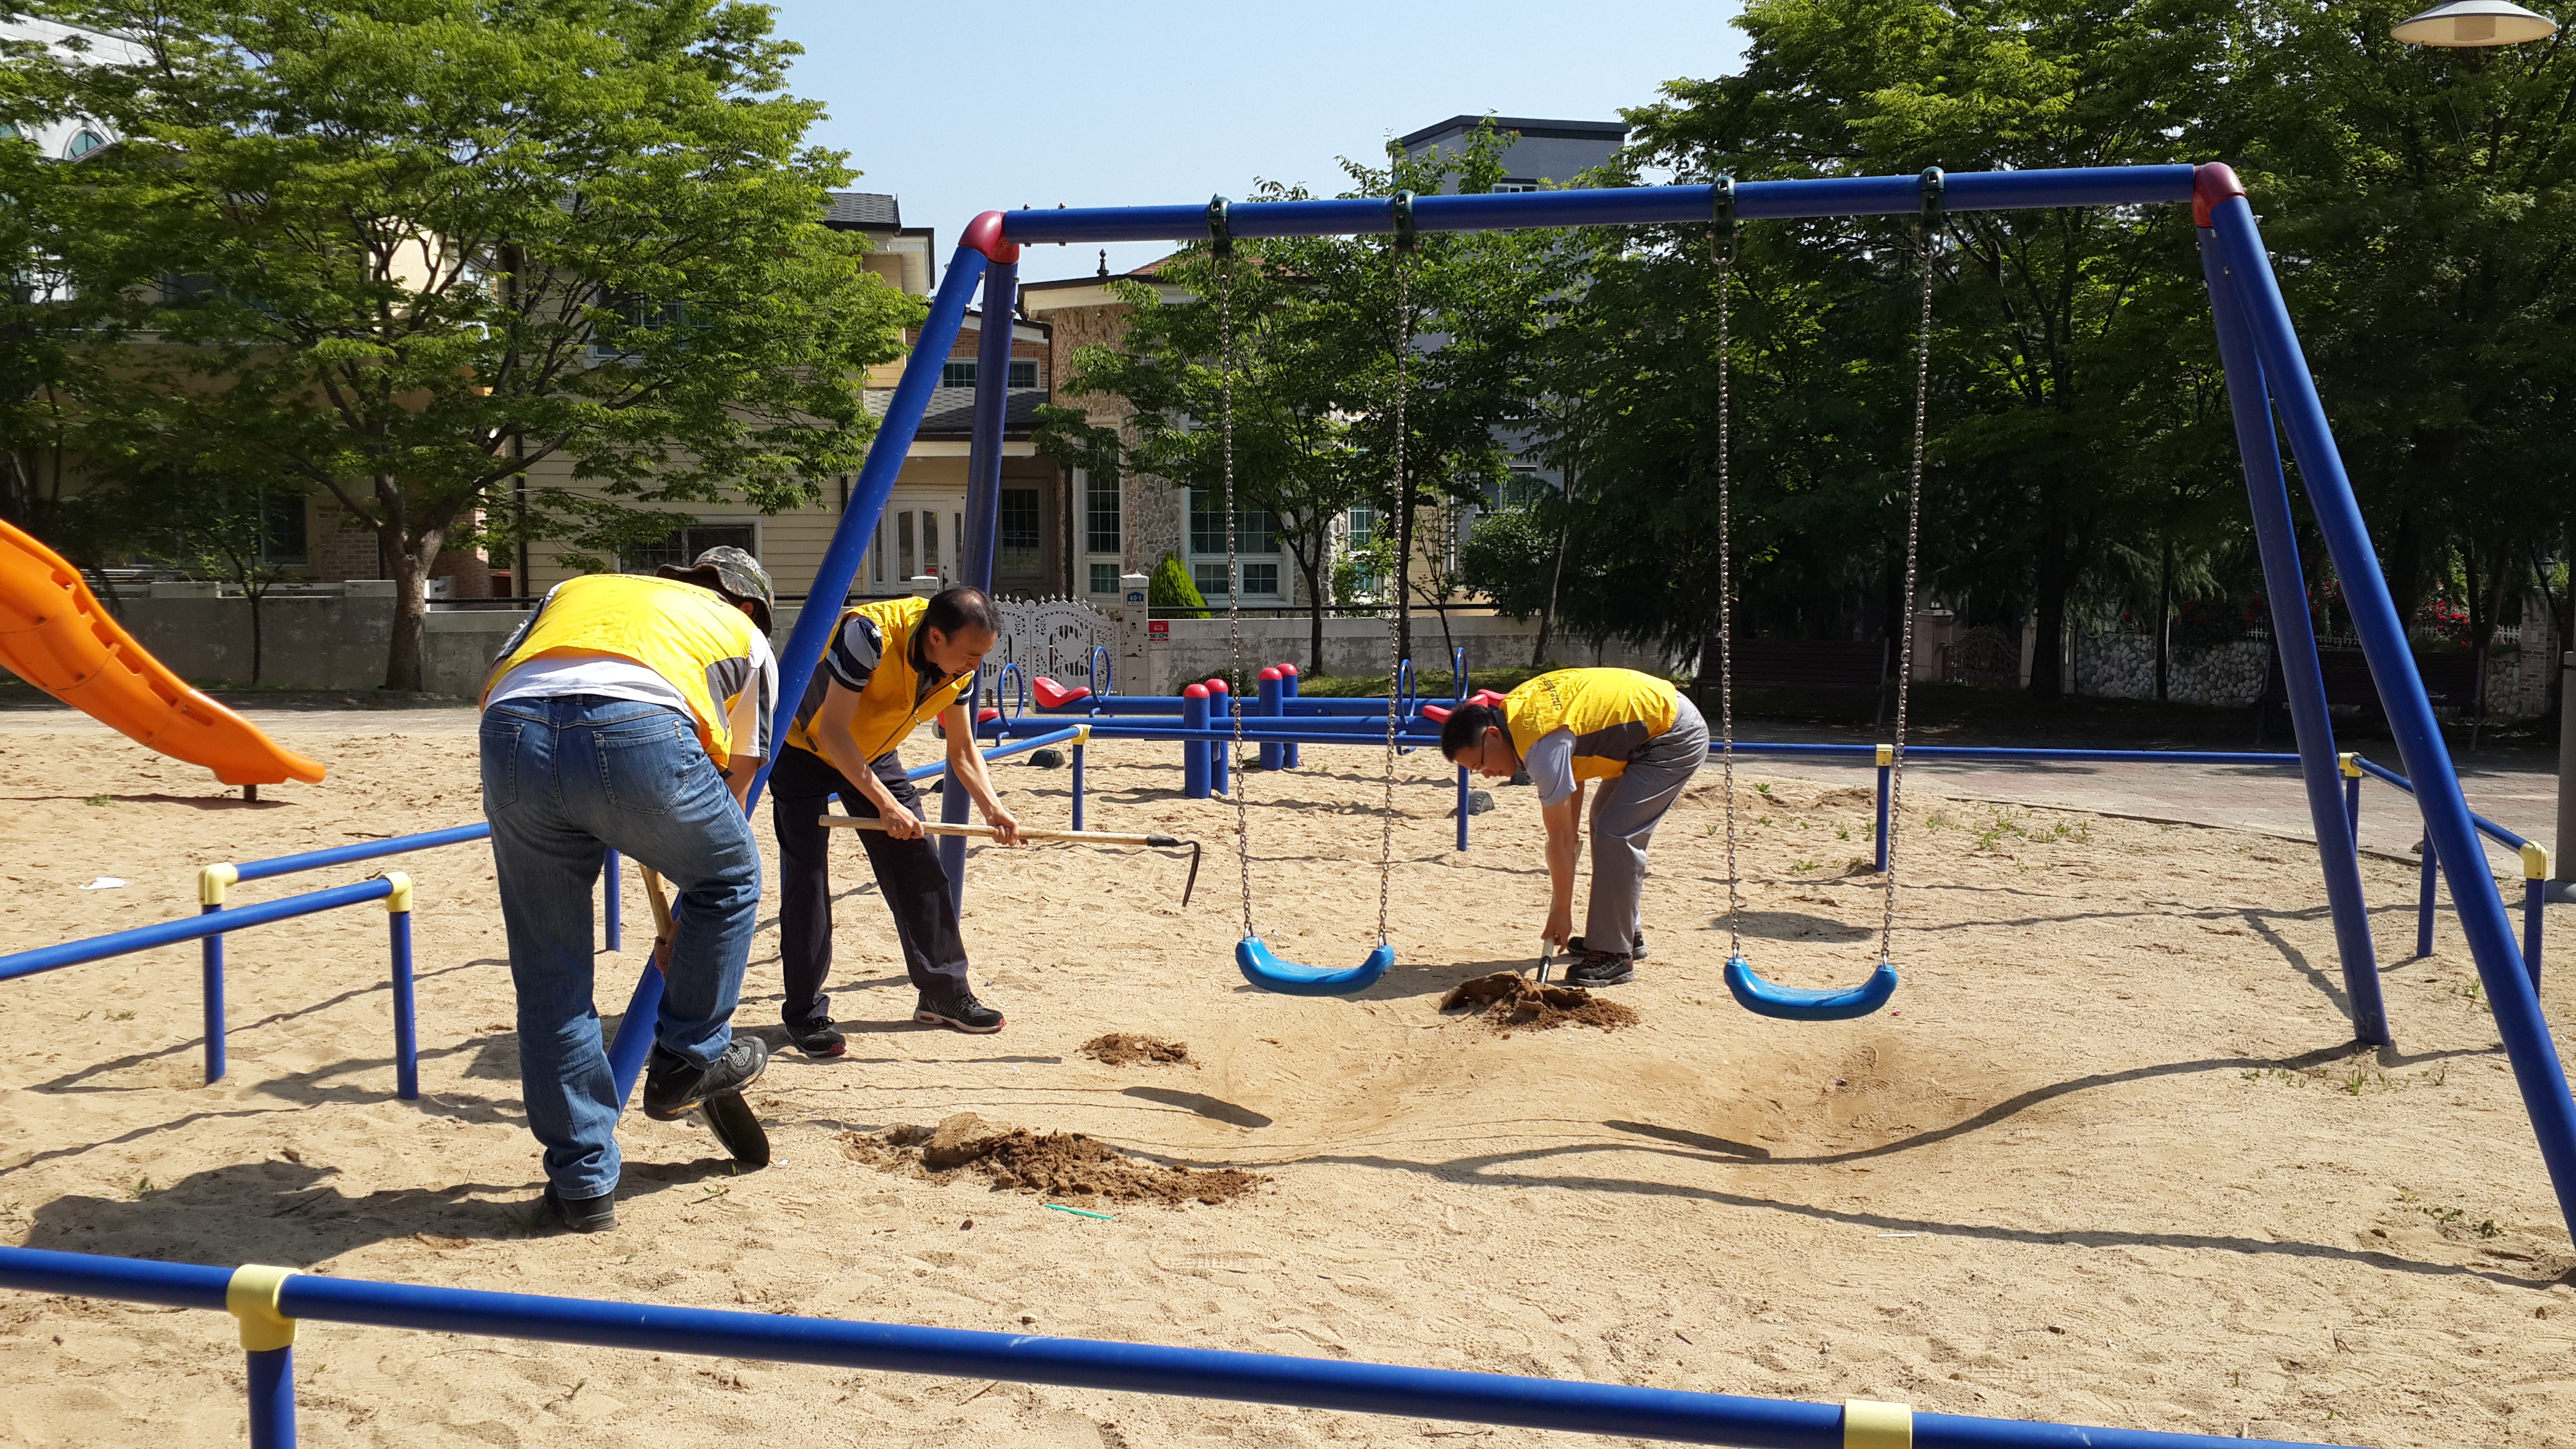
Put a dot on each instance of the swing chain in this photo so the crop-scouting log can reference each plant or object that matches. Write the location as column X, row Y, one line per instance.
column 1722, row 242
column 1233, row 570
column 1394, row 644
column 1925, row 231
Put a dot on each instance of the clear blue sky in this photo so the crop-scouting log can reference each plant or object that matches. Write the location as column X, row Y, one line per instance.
column 965, row 108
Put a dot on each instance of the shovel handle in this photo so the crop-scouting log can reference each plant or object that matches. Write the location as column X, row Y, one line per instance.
column 987, row 832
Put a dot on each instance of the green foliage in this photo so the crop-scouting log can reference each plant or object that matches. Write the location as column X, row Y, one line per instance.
column 1171, row 588
column 410, row 254
column 1510, row 558
column 1313, row 327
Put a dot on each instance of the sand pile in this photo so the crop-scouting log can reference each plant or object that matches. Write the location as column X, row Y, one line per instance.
column 1513, row 1003
column 1062, row 1164
column 1126, row 1048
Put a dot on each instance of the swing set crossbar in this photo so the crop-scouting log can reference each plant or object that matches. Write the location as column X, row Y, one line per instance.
column 1609, row 206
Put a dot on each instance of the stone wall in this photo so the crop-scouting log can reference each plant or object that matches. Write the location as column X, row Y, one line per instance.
column 2123, row 666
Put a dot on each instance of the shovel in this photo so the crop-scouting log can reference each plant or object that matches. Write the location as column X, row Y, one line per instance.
column 1071, row 837
column 736, row 1127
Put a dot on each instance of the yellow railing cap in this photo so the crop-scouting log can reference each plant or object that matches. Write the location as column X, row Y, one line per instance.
column 399, row 900
column 2535, row 860
column 214, row 880
column 1870, row 1424
column 251, row 1298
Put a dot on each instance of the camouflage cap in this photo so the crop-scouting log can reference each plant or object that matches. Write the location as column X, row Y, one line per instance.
column 734, row 574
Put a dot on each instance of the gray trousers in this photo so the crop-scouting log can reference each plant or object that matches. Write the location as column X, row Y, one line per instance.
column 1625, row 813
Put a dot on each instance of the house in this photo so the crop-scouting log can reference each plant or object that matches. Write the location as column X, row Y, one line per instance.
column 1127, row 526
column 923, row 526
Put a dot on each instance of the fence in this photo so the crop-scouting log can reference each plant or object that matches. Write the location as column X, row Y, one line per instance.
column 268, row 1303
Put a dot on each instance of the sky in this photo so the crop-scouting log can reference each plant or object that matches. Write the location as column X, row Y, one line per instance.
column 1122, row 102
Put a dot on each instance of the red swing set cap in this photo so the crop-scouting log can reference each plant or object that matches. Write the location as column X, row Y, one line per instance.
column 984, row 234
column 2211, row 183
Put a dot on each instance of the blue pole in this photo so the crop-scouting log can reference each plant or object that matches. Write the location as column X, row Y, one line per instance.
column 1886, row 767
column 1220, row 752
column 188, row 928
column 406, row 1016
column 840, row 565
column 1613, row 206
column 612, row 903
column 2352, row 807
column 272, row 1398
column 2535, row 895
column 2536, row 1068
column 369, row 850
column 2424, row 904
column 983, row 505
column 1273, row 704
column 1458, row 673
column 211, row 950
column 1463, row 788
column 1288, row 755
column 1079, row 748
column 2294, row 636
column 1194, row 752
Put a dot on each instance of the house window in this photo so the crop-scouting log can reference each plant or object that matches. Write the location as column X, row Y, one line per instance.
column 1256, row 546
column 1359, row 532
column 1516, row 184
column 1523, row 489
column 1100, row 531
column 83, row 144
column 1023, row 374
column 1104, row 578
column 282, row 538
column 682, row 546
column 1019, row 527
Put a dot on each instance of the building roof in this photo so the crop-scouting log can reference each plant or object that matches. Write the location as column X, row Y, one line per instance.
column 862, row 210
column 952, row 413
column 1534, row 129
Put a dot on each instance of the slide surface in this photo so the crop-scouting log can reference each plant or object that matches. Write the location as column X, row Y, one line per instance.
column 54, row 635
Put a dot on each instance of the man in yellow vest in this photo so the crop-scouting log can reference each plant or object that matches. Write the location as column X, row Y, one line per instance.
column 891, row 666
column 628, row 713
column 1632, row 732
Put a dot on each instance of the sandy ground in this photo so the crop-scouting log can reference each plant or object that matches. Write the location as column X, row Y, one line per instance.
column 2108, row 1160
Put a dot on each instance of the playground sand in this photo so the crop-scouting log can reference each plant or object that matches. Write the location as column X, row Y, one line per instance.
column 2106, row 1160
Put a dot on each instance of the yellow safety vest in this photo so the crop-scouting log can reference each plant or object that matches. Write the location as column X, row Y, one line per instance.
column 699, row 644
column 1612, row 712
column 888, row 708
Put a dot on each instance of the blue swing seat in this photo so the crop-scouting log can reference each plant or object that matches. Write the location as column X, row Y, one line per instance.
column 1790, row 1003
column 1263, row 968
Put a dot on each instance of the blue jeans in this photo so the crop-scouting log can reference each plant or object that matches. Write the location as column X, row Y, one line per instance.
column 565, row 780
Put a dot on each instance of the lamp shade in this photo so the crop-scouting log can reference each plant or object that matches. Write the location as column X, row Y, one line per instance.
column 2475, row 23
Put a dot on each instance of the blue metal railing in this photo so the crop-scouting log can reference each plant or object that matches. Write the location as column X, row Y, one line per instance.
column 2535, row 869
column 268, row 1302
column 393, row 889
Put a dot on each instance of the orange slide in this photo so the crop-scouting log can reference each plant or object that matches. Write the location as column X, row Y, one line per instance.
column 54, row 635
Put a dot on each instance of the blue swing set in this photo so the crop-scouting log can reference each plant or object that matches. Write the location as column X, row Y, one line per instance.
column 2268, row 383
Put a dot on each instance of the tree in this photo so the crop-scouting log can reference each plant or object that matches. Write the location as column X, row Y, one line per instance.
column 413, row 249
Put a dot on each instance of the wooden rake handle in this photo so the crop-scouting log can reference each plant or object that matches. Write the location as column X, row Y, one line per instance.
column 661, row 904
column 1070, row 837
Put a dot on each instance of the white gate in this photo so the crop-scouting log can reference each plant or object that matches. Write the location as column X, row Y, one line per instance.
column 1050, row 638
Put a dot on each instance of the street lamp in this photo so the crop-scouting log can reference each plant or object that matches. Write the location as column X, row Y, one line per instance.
column 2474, row 23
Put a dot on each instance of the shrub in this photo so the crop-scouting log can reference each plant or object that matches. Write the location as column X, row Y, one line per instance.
column 1171, row 588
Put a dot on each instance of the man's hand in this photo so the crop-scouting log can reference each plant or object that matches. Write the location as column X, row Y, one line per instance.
column 1006, row 826
column 1559, row 928
column 901, row 824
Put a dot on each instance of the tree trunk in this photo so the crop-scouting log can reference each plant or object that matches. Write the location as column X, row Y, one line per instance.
column 2056, row 580
column 2164, row 626
column 1555, row 579
column 1313, row 570
column 411, row 603
column 256, row 642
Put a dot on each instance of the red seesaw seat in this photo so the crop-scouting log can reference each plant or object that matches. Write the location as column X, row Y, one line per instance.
column 1052, row 695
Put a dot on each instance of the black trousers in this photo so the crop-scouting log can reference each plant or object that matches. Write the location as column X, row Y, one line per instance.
column 908, row 875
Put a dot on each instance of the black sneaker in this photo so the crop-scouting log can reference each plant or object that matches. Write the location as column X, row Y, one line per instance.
column 1600, row 968
column 961, row 1012
column 674, row 1086
column 1636, row 951
column 816, row 1038
column 582, row 1214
